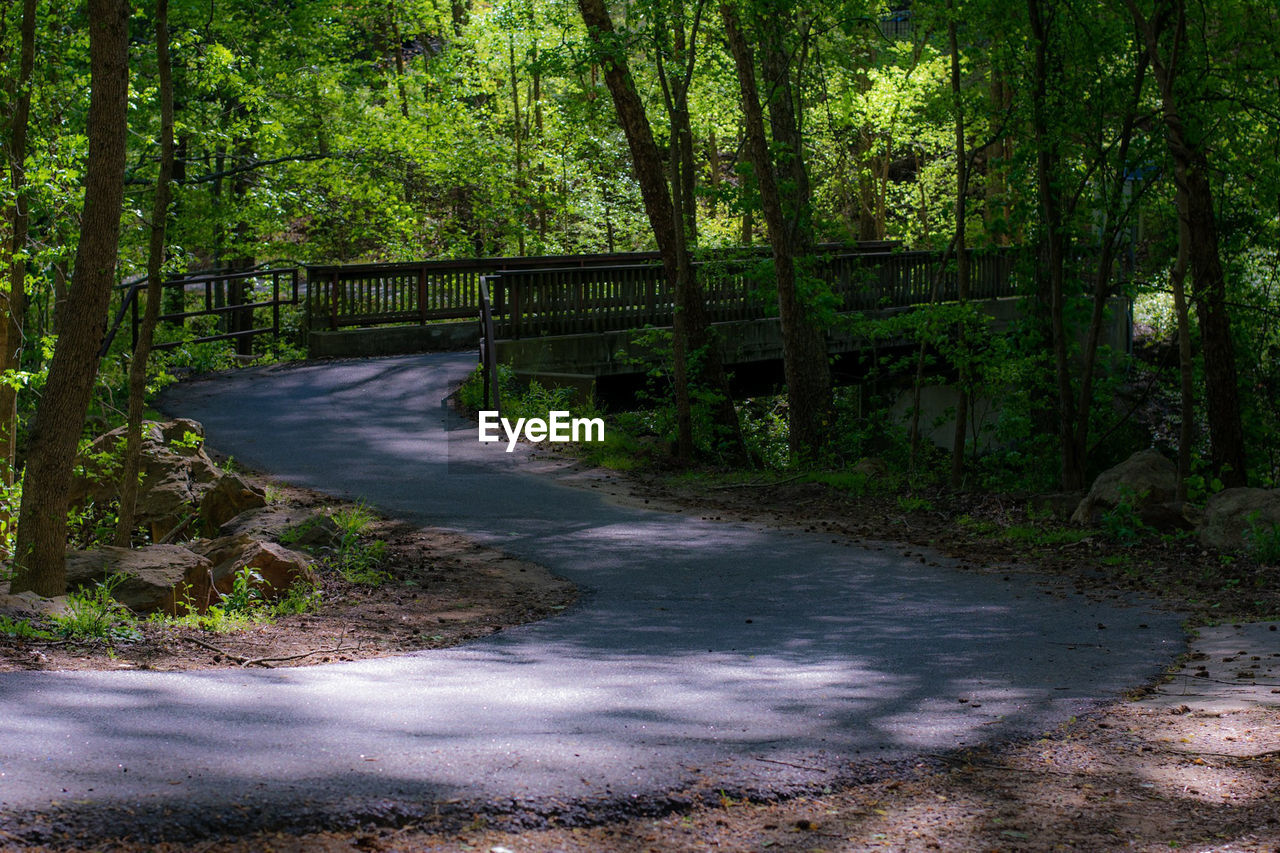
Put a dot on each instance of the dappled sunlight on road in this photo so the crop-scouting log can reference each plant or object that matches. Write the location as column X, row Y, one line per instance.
column 698, row 651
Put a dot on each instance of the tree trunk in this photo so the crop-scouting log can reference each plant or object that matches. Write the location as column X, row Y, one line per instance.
column 15, row 308
column 42, row 525
column 691, row 316
column 1186, row 367
column 155, row 276
column 1054, row 251
column 516, row 141
column 175, row 298
column 664, row 216
column 964, row 379
column 805, row 363
column 1191, row 174
column 653, row 188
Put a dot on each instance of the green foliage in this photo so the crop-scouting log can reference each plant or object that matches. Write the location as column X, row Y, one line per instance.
column 246, row 593
column 1121, row 523
column 357, row 559
column 189, row 441
column 766, row 432
column 1044, row 535
column 854, row 482
column 651, row 350
column 619, row 451
column 95, row 614
column 533, row 400
column 354, row 519
column 360, row 562
column 22, row 629
column 914, row 503
column 1263, row 541
column 302, row 597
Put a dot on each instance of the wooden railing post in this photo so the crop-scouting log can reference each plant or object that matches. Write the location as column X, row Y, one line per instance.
column 422, row 295
column 333, row 303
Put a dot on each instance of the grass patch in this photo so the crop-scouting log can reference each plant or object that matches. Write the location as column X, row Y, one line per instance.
column 94, row 614
column 22, row 629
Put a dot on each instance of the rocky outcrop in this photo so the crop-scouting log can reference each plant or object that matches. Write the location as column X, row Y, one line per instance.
column 1060, row 505
column 26, row 605
column 157, row 577
column 176, row 579
column 1143, row 480
column 875, row 469
column 229, row 497
column 294, row 527
column 175, row 473
column 275, row 567
column 1231, row 514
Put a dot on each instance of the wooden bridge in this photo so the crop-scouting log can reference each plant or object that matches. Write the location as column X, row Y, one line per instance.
column 563, row 314
column 585, row 294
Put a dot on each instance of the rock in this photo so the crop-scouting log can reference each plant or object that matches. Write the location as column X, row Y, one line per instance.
column 1165, row 517
column 873, row 468
column 24, row 605
column 229, row 497
column 1144, row 479
column 294, row 527
column 1058, row 504
column 1231, row 513
column 277, row 566
column 157, row 577
column 176, row 472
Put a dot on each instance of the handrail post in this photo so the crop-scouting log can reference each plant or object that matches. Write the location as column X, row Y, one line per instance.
column 333, row 303
column 488, row 350
column 422, row 296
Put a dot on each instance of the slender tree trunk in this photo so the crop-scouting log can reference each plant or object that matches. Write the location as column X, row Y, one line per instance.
column 175, row 298
column 804, row 347
column 460, row 12
column 42, row 524
column 964, row 378
column 15, row 307
column 1114, row 223
column 155, row 276
column 1055, row 249
column 1191, row 174
column 691, row 311
column 397, row 48
column 516, row 140
column 654, row 190
column 1186, row 366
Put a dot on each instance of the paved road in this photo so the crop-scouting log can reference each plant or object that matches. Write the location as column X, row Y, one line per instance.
column 701, row 652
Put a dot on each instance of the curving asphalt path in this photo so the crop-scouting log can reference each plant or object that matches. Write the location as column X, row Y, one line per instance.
column 702, row 654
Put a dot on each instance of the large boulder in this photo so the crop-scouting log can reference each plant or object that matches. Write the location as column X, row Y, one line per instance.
column 295, row 527
column 1232, row 513
column 26, row 605
column 1144, row 479
column 277, row 567
column 175, row 473
column 230, row 496
column 157, row 577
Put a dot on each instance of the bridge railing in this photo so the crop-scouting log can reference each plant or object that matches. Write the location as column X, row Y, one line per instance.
column 347, row 295
column 245, row 303
column 577, row 300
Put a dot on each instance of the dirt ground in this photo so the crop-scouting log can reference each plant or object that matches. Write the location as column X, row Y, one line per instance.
column 1146, row 773
column 443, row 590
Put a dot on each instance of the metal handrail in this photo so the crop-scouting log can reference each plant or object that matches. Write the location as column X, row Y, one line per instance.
column 488, row 347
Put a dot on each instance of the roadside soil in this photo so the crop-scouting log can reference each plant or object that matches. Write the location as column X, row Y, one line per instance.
column 441, row 590
column 1144, row 773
